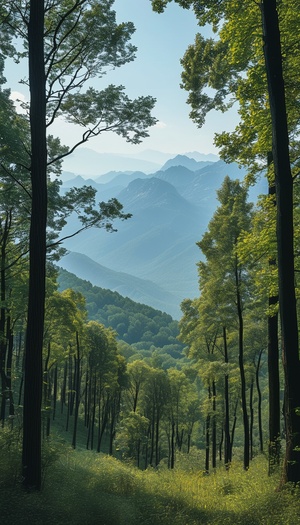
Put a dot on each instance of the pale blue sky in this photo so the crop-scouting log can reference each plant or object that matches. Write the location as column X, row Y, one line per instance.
column 161, row 40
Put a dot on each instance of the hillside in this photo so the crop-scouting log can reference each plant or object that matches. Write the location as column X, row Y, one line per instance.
column 139, row 290
column 138, row 325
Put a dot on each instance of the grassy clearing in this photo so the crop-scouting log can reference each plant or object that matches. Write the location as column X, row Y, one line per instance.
column 82, row 487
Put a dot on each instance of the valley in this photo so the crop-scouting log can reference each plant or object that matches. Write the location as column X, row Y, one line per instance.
column 153, row 256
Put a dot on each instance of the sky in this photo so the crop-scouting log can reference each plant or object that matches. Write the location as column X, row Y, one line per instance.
column 162, row 40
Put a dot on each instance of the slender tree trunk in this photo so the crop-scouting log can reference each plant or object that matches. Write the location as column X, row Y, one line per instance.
column 221, row 445
column 152, row 437
column 207, row 437
column 251, row 419
column 10, row 346
column 157, row 438
column 87, row 399
column 77, row 390
column 172, row 462
column 214, row 427
column 31, row 458
column 260, row 428
column 285, row 238
column 54, row 392
column 233, row 428
column 242, row 372
column 138, row 453
column 227, row 449
column 64, row 388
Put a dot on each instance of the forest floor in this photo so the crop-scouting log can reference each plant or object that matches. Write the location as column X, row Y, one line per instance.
column 85, row 488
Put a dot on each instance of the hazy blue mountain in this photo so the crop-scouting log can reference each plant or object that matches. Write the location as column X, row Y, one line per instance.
column 139, row 290
column 187, row 162
column 170, row 212
column 156, row 244
column 200, row 187
column 120, row 178
column 202, row 156
column 179, row 176
column 66, row 176
column 78, row 181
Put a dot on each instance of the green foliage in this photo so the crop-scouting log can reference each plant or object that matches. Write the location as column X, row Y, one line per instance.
column 136, row 324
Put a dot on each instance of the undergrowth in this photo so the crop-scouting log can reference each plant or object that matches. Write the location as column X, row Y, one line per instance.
column 81, row 487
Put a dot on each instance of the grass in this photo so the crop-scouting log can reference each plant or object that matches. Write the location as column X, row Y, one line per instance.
column 83, row 487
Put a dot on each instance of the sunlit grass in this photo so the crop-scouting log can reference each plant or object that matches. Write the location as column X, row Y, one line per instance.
column 82, row 487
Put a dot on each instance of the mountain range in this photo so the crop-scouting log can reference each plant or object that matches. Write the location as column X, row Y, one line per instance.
column 153, row 256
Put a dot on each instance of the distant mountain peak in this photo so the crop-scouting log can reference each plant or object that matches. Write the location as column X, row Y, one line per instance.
column 186, row 162
column 206, row 157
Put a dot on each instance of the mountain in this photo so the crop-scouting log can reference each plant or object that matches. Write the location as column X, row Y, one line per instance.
column 206, row 157
column 187, row 162
column 139, row 290
column 170, row 211
column 78, row 182
column 157, row 244
column 117, row 178
column 90, row 163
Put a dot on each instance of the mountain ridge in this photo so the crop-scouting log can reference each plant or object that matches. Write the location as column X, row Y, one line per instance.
column 170, row 211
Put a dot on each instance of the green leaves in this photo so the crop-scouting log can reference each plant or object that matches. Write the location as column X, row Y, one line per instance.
column 110, row 110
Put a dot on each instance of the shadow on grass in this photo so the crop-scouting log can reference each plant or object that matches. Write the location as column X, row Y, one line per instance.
column 84, row 488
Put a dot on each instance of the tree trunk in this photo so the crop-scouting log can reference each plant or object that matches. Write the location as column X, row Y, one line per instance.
column 64, row 388
column 77, row 390
column 207, row 443
column 273, row 370
column 285, row 238
column 251, row 418
column 260, row 431
column 3, row 310
column 227, row 449
column 172, row 459
column 31, row 458
column 214, row 427
column 54, row 392
column 233, row 428
column 242, row 372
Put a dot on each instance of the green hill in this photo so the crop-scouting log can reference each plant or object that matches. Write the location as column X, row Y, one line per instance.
column 147, row 330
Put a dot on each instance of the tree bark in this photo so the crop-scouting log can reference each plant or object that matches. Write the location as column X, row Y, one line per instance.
column 285, row 237
column 259, row 402
column 77, row 374
column 242, row 372
column 227, row 456
column 31, row 458
column 214, row 427
column 273, row 373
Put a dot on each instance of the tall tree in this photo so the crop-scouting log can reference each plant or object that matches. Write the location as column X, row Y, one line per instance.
column 68, row 44
column 219, row 245
column 31, row 458
column 285, row 237
column 235, row 64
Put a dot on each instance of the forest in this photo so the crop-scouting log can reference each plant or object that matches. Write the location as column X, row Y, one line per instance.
column 111, row 412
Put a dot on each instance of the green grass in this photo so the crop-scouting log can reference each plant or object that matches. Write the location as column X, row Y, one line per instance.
column 82, row 487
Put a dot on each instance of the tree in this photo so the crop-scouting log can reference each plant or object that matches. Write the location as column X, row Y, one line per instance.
column 219, row 245
column 68, row 44
column 285, row 237
column 226, row 63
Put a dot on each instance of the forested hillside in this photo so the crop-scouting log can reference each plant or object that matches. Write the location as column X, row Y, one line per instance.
column 145, row 329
